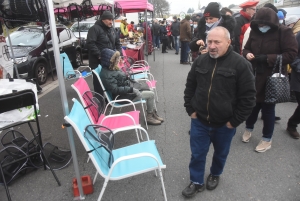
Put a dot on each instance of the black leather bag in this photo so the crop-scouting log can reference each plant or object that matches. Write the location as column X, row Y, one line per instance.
column 277, row 88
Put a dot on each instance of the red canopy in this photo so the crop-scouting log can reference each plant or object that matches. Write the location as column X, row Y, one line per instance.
column 133, row 6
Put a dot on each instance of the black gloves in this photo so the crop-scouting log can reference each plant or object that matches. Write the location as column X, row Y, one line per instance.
column 261, row 59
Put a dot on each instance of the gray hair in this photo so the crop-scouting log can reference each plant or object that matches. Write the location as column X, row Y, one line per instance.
column 226, row 32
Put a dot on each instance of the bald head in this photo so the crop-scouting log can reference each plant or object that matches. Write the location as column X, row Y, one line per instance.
column 218, row 41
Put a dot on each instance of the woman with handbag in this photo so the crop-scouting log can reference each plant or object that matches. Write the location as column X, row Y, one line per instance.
column 118, row 84
column 294, row 23
column 267, row 40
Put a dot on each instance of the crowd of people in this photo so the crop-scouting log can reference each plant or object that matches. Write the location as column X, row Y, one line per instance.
column 235, row 54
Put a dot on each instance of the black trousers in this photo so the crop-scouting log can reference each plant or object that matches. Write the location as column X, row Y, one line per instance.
column 164, row 44
column 295, row 118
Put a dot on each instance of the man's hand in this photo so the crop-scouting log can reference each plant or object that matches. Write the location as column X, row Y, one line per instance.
column 203, row 51
column 200, row 42
column 250, row 56
column 228, row 124
column 194, row 115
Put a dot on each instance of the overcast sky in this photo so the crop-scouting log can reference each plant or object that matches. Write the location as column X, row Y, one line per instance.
column 177, row 6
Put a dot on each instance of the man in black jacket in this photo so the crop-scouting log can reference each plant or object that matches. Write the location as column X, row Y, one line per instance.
column 175, row 27
column 219, row 96
column 101, row 35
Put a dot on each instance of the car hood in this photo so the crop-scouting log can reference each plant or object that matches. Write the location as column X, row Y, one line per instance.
column 20, row 51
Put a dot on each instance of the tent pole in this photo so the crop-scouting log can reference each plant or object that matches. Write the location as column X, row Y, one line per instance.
column 63, row 95
column 146, row 27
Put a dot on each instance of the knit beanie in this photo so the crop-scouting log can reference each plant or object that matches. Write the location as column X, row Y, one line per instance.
column 187, row 17
column 107, row 15
column 110, row 59
column 280, row 15
column 283, row 11
column 212, row 10
column 269, row 5
column 291, row 19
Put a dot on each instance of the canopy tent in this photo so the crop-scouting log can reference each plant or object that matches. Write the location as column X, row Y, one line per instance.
column 65, row 3
column 133, row 6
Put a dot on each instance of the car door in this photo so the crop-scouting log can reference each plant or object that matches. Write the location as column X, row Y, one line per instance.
column 67, row 44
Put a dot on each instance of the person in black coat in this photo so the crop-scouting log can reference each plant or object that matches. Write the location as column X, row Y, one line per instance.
column 211, row 18
column 163, row 37
column 101, row 35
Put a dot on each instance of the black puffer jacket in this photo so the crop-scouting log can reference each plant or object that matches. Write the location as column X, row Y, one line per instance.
column 227, row 22
column 117, row 83
column 99, row 37
column 220, row 90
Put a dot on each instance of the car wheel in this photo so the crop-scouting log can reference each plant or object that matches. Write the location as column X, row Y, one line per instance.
column 77, row 62
column 41, row 73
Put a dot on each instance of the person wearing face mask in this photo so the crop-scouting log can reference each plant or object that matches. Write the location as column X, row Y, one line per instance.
column 280, row 17
column 242, row 23
column 211, row 18
column 267, row 39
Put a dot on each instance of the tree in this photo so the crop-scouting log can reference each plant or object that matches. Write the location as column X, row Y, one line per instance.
column 231, row 6
column 161, row 7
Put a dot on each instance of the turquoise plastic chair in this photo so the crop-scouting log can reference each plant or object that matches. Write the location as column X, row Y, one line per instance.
column 117, row 103
column 114, row 164
column 69, row 72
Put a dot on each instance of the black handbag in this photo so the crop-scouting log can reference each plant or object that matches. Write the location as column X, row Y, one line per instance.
column 277, row 88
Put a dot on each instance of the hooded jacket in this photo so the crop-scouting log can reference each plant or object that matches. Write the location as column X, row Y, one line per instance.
column 99, row 37
column 278, row 40
column 227, row 22
column 185, row 31
column 220, row 90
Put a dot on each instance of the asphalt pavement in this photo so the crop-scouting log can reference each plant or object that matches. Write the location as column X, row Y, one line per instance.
column 248, row 175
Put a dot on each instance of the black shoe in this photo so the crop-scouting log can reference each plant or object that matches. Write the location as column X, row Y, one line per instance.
column 277, row 118
column 212, row 182
column 192, row 189
column 165, row 52
column 176, row 52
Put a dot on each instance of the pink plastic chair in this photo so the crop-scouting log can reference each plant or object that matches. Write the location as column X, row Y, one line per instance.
column 94, row 104
column 136, row 66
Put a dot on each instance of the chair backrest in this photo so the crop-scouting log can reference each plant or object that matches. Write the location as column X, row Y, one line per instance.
column 80, row 122
column 96, row 72
column 67, row 66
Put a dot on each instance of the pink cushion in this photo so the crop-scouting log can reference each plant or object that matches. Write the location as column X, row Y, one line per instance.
column 120, row 121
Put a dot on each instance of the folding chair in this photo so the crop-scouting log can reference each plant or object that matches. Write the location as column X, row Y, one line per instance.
column 14, row 101
column 94, row 104
column 68, row 71
column 117, row 103
column 114, row 164
column 136, row 66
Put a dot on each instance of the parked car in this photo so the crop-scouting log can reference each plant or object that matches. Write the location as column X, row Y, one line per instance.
column 84, row 27
column 34, row 55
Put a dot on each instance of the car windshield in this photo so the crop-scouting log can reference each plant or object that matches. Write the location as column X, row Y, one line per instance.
column 84, row 27
column 26, row 38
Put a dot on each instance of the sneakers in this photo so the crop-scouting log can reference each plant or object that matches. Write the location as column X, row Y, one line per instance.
column 155, row 115
column 246, row 136
column 263, row 146
column 293, row 132
column 151, row 120
column 212, row 182
column 192, row 189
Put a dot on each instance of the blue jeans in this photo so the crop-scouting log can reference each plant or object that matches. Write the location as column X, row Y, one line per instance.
column 156, row 41
column 184, row 51
column 201, row 138
column 268, row 115
column 176, row 43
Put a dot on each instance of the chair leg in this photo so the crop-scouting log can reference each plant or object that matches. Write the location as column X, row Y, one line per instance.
column 162, row 184
column 137, row 134
column 103, row 189
column 5, row 184
column 144, row 114
column 95, row 177
column 141, row 135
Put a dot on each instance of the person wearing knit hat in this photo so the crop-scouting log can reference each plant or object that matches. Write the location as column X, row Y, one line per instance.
column 100, row 36
column 243, row 22
column 211, row 18
column 121, row 87
column 280, row 16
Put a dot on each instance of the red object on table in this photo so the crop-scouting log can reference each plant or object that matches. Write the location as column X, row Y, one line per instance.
column 136, row 54
column 87, row 185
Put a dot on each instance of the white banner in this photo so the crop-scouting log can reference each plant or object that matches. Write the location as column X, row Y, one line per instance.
column 278, row 2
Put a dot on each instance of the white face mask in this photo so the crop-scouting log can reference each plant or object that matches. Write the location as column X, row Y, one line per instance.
column 195, row 26
column 264, row 29
column 280, row 21
column 210, row 24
